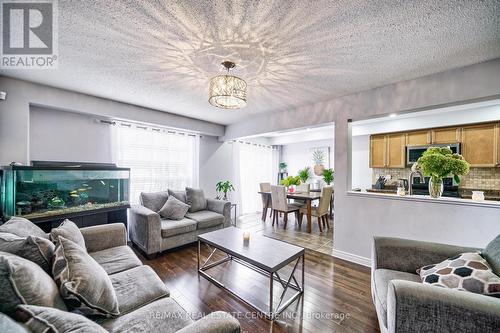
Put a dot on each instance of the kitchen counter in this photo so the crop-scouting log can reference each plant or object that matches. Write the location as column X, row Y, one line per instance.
column 490, row 195
column 426, row 198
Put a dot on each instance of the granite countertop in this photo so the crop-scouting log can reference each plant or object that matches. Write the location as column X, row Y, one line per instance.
column 465, row 193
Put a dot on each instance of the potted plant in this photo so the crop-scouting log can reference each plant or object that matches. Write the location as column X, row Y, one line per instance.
column 440, row 162
column 304, row 174
column 283, row 166
column 328, row 176
column 290, row 182
column 318, row 157
column 224, row 187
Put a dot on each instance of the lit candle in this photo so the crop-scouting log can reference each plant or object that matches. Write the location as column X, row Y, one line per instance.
column 246, row 236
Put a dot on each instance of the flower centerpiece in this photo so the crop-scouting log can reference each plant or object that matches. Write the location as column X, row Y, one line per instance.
column 440, row 162
column 290, row 182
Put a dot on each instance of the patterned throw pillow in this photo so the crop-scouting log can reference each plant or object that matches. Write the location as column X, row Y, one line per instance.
column 82, row 282
column 68, row 230
column 466, row 271
column 36, row 249
column 174, row 209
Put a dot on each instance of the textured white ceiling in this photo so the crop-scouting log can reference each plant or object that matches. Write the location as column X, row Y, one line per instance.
column 161, row 54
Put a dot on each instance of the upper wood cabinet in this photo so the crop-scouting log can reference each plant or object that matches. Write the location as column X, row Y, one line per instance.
column 418, row 138
column 387, row 151
column 378, row 149
column 396, row 146
column 445, row 135
column 480, row 145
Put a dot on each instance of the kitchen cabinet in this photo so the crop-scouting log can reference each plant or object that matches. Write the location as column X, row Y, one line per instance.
column 387, row 151
column 378, row 149
column 445, row 135
column 480, row 145
column 396, row 146
column 418, row 138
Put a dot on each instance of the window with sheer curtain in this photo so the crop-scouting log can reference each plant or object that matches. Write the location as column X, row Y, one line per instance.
column 252, row 164
column 159, row 159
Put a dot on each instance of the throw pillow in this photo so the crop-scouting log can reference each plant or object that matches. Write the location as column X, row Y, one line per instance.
column 36, row 249
column 154, row 200
column 41, row 319
column 68, row 230
column 8, row 324
column 492, row 254
column 466, row 271
column 180, row 195
column 195, row 198
column 174, row 209
column 22, row 227
column 24, row 282
column 83, row 283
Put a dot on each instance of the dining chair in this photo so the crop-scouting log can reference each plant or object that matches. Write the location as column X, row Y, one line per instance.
column 322, row 211
column 302, row 188
column 266, row 187
column 281, row 205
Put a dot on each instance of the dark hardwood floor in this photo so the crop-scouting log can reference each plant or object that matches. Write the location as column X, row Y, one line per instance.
column 336, row 298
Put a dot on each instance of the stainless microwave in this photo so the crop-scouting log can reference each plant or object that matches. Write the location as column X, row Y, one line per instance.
column 414, row 152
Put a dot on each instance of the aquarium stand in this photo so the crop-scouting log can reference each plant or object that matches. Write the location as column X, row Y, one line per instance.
column 85, row 219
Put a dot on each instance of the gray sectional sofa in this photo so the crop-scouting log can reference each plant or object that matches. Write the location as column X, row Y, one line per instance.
column 404, row 304
column 153, row 234
column 143, row 299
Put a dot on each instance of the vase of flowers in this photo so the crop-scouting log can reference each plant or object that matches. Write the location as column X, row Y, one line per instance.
column 290, row 182
column 440, row 162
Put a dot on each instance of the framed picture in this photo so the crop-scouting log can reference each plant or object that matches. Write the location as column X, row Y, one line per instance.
column 320, row 158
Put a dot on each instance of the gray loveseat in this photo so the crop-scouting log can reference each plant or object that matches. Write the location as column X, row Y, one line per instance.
column 153, row 234
column 404, row 304
column 143, row 299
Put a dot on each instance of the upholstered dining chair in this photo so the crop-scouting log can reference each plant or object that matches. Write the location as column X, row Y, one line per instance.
column 321, row 212
column 266, row 187
column 281, row 205
column 302, row 188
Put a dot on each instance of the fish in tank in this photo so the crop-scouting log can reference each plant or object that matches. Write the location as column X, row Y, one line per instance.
column 39, row 192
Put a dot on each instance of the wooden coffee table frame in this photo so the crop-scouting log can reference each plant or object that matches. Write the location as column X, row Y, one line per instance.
column 291, row 282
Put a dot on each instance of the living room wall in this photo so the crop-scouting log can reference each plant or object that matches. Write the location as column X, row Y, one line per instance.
column 43, row 123
column 354, row 228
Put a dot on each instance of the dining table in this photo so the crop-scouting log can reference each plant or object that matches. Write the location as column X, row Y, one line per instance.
column 308, row 197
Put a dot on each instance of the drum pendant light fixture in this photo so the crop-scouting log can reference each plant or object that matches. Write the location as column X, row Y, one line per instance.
column 227, row 91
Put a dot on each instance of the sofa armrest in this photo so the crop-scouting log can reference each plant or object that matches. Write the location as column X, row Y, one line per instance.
column 415, row 307
column 145, row 229
column 409, row 255
column 215, row 322
column 104, row 236
column 221, row 207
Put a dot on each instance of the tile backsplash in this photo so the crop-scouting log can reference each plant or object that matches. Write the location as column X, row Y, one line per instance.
column 478, row 178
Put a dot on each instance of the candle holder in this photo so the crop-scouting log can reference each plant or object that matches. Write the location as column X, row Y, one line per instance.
column 246, row 237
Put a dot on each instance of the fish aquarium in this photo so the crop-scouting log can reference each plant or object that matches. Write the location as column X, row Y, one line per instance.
column 42, row 192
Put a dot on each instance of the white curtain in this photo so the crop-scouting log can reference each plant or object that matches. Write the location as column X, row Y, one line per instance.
column 252, row 164
column 159, row 159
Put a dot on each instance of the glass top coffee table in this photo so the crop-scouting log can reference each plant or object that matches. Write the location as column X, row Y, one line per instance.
column 262, row 254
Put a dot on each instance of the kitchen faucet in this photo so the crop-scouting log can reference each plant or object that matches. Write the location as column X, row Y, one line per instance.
column 410, row 180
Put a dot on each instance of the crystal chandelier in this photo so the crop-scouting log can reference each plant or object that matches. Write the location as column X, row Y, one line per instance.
column 227, row 91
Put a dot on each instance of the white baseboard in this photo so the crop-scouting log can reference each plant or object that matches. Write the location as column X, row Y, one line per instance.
column 352, row 258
